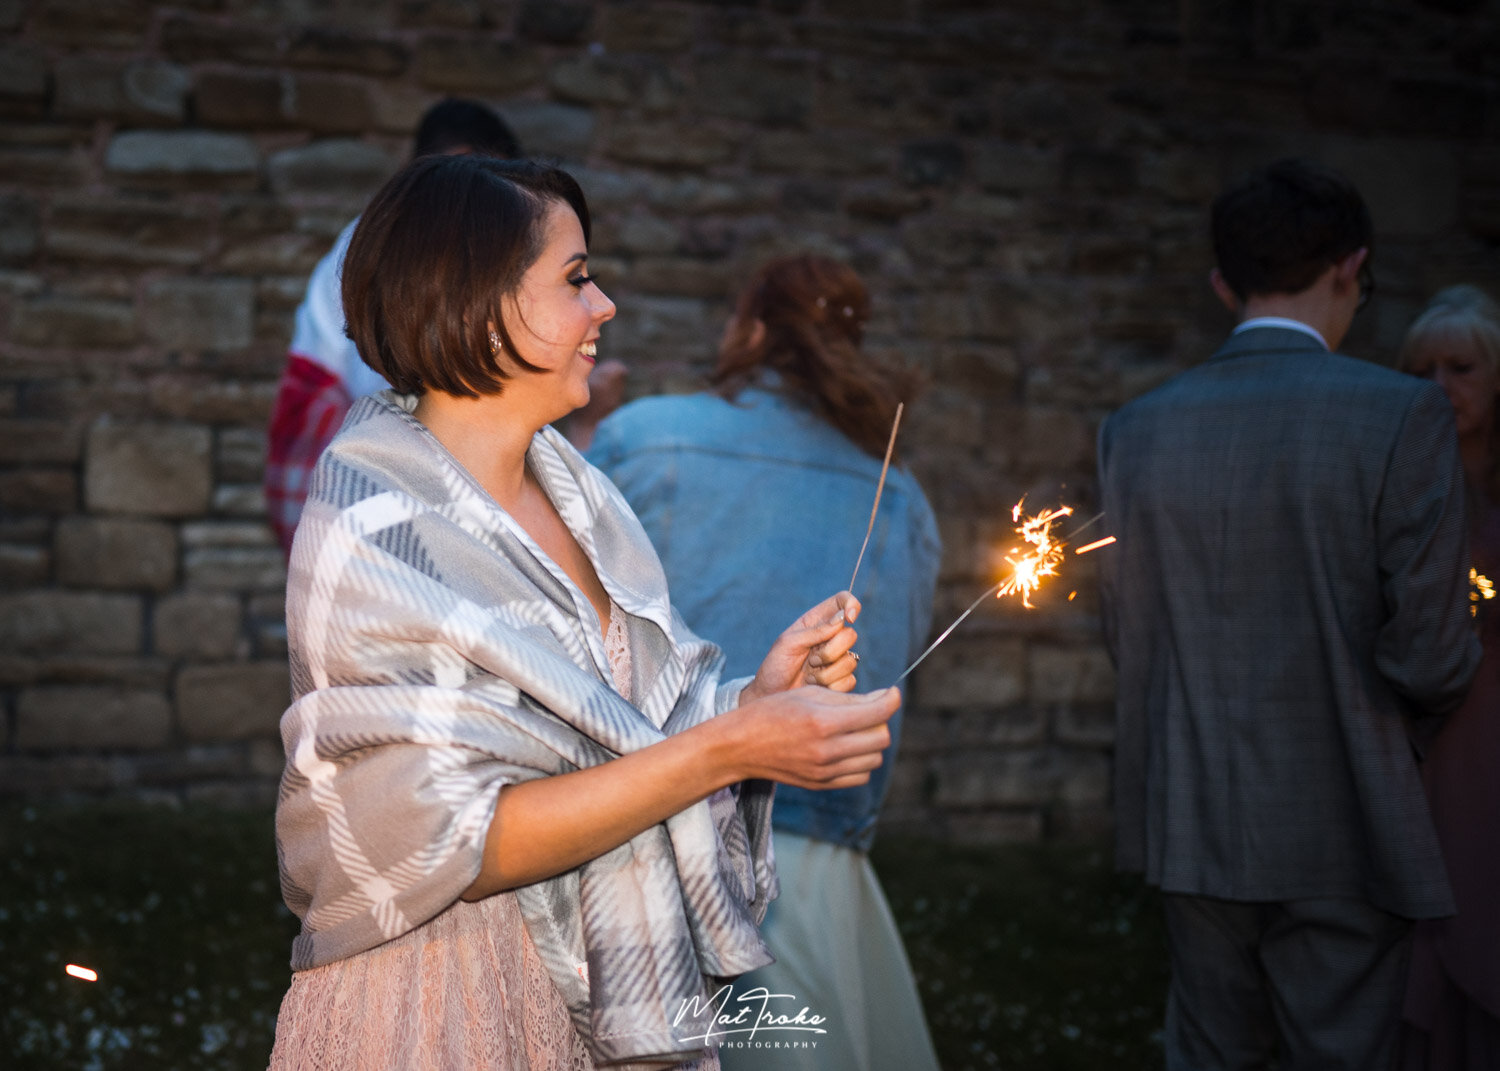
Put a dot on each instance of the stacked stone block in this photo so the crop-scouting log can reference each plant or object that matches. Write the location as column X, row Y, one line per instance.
column 1023, row 187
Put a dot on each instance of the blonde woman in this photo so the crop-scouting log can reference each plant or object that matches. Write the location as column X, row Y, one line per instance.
column 1452, row 1012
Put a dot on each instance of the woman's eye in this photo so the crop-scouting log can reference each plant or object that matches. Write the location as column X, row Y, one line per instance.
column 580, row 281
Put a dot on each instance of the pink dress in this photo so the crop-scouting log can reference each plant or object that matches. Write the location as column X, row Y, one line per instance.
column 465, row 991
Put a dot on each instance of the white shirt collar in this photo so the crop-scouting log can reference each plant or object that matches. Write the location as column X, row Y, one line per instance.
column 1282, row 322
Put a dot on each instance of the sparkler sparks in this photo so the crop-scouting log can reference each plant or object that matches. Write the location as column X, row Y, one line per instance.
column 1029, row 570
column 1095, row 545
column 1480, row 587
column 1026, row 571
column 82, row 972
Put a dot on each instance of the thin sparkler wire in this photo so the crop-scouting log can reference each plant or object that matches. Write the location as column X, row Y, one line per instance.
column 972, row 607
column 1082, row 527
column 885, row 467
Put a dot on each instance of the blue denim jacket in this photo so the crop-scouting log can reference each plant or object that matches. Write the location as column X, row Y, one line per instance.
column 758, row 508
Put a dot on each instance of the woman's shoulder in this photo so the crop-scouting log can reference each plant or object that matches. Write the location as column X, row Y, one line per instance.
column 383, row 413
column 380, row 447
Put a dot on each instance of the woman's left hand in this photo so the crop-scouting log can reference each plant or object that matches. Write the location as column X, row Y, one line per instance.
column 817, row 649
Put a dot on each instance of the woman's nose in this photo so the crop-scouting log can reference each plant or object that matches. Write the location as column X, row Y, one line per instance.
column 604, row 309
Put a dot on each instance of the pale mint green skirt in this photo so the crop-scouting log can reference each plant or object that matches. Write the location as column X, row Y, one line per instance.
column 839, row 955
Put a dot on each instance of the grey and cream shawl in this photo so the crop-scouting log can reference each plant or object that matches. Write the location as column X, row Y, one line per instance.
column 437, row 655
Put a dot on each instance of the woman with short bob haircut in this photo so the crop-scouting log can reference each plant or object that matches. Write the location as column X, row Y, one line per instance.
column 523, row 821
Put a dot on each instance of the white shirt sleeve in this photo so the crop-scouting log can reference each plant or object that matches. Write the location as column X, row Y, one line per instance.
column 319, row 333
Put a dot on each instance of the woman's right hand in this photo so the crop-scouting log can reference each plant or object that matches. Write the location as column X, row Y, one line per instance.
column 811, row 737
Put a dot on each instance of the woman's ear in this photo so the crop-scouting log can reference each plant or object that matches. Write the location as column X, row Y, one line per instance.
column 753, row 337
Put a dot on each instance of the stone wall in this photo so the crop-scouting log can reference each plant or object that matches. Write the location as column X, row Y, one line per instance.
column 1023, row 186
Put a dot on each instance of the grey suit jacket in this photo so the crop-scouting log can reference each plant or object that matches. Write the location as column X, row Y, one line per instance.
column 1286, row 603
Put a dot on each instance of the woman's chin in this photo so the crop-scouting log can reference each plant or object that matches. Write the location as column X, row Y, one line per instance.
column 572, row 404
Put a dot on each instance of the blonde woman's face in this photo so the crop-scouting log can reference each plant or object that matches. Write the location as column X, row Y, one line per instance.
column 1471, row 385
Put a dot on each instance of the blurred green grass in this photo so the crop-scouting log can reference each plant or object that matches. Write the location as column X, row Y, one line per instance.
column 178, row 911
column 1030, row 956
column 1027, row 957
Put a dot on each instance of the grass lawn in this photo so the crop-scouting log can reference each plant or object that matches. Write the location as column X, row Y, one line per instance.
column 1035, row 956
column 1029, row 957
column 178, row 911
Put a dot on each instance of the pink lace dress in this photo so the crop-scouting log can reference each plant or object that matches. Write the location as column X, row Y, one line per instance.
column 465, row 991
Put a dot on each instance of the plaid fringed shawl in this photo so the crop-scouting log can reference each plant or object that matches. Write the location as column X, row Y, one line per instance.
column 437, row 655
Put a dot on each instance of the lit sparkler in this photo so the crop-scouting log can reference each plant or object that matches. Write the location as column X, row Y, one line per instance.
column 82, row 972
column 1027, row 571
column 1480, row 587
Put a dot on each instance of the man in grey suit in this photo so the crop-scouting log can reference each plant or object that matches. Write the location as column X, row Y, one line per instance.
column 1287, row 609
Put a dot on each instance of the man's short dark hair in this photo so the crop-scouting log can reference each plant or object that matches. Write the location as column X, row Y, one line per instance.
column 431, row 260
column 1279, row 228
column 464, row 124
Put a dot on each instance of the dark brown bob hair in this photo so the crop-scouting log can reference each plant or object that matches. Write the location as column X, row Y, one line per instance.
column 814, row 309
column 442, row 243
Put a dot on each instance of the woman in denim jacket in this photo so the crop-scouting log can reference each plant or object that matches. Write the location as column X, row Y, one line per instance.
column 756, row 497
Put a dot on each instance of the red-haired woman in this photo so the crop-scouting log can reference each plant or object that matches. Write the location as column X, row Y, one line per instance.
column 754, row 494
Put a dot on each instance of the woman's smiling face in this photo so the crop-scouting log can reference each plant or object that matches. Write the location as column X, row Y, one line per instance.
column 555, row 315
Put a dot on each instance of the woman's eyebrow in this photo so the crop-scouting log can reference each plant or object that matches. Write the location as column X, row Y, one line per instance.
column 577, row 257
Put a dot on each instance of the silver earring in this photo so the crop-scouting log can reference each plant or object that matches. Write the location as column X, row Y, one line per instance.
column 495, row 346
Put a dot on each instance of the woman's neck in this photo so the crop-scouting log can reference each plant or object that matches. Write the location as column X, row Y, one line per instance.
column 485, row 435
